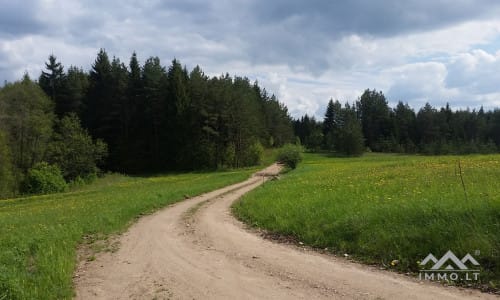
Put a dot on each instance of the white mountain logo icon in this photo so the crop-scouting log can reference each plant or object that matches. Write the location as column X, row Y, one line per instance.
column 447, row 260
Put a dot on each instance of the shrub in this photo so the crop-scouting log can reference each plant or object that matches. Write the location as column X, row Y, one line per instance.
column 290, row 155
column 229, row 155
column 253, row 154
column 44, row 179
column 73, row 149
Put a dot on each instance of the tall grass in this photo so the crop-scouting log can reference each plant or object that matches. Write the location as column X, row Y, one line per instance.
column 39, row 235
column 381, row 208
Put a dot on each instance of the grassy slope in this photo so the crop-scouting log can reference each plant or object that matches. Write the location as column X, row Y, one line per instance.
column 39, row 235
column 385, row 207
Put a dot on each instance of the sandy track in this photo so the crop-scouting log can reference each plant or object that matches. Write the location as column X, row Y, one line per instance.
column 196, row 250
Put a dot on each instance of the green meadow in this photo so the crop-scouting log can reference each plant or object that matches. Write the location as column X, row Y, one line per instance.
column 39, row 235
column 389, row 210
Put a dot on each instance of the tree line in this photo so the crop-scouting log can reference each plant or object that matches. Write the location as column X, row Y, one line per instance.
column 134, row 119
column 370, row 124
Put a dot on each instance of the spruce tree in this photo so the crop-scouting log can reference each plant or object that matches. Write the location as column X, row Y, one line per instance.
column 156, row 114
column 331, row 124
column 75, row 89
column 52, row 82
column 138, row 156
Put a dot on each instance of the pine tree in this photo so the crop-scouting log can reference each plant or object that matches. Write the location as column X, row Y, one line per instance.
column 199, row 123
column 277, row 121
column 350, row 135
column 75, row 89
column 99, row 94
column 53, row 81
column 405, row 130
column 331, row 124
column 156, row 114
column 375, row 118
column 178, row 104
column 118, row 116
column 138, row 132
column 104, row 104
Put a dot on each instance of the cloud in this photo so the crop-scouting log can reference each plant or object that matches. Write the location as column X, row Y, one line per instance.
column 375, row 18
column 475, row 72
column 419, row 82
column 305, row 52
column 19, row 18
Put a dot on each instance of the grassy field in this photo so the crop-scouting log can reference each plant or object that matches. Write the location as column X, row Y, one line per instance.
column 39, row 235
column 380, row 208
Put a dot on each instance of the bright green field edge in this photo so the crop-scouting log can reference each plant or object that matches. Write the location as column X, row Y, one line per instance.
column 39, row 235
column 379, row 208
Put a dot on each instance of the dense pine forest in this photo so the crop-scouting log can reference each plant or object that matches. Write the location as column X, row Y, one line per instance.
column 133, row 119
column 70, row 124
column 370, row 124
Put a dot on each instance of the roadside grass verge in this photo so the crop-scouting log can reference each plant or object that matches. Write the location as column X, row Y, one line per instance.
column 39, row 235
column 383, row 208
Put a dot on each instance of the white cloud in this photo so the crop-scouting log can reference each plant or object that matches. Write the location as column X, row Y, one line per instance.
column 28, row 54
column 305, row 53
column 475, row 72
column 420, row 82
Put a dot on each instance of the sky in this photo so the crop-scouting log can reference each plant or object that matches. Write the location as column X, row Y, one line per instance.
column 305, row 52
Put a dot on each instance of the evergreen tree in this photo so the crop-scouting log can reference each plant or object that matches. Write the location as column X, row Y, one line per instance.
column 350, row 135
column 428, row 130
column 178, row 104
column 53, row 81
column 244, row 121
column 156, row 114
column 138, row 132
column 309, row 132
column 277, row 121
column 405, row 127
column 75, row 89
column 331, row 124
column 118, row 116
column 200, row 123
column 375, row 118
column 99, row 94
column 329, row 120
column 103, row 104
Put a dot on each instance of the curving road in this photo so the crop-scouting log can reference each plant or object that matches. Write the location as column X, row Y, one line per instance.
column 195, row 249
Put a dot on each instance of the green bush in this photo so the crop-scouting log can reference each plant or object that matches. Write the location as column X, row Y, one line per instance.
column 44, row 179
column 290, row 155
column 230, row 156
column 74, row 151
column 253, row 154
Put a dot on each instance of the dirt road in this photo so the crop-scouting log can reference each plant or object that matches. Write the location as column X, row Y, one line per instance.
column 195, row 249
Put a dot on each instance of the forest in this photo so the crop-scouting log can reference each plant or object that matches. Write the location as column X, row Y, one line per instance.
column 371, row 125
column 70, row 124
